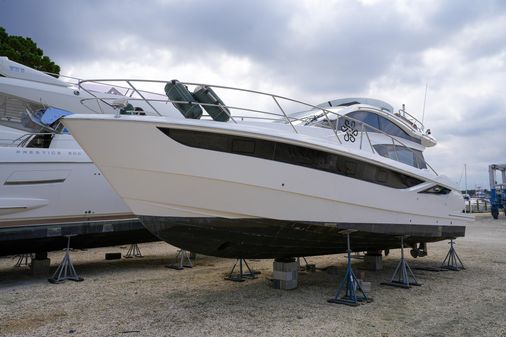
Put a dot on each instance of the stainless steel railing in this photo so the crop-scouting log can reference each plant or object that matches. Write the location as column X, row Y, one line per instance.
column 410, row 119
column 150, row 98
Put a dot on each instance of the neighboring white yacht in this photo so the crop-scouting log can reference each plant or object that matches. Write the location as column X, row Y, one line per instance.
column 258, row 182
column 49, row 187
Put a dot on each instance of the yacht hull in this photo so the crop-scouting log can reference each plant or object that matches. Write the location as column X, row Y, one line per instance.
column 88, row 233
column 268, row 238
column 43, row 186
column 253, row 198
column 46, row 193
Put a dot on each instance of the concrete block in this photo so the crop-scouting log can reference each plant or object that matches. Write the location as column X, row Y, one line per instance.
column 285, row 275
column 373, row 262
column 112, row 256
column 40, row 266
column 366, row 286
column 285, row 285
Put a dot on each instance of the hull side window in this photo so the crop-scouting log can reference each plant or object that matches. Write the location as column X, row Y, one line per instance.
column 294, row 155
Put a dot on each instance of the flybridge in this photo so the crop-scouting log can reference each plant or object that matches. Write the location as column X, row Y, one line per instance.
column 405, row 117
column 357, row 100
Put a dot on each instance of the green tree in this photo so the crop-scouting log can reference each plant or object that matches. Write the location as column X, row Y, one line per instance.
column 23, row 50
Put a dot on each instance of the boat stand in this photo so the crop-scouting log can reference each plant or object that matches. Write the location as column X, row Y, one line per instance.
column 354, row 295
column 182, row 260
column 66, row 270
column 452, row 260
column 403, row 274
column 431, row 269
column 23, row 259
column 133, row 251
column 242, row 275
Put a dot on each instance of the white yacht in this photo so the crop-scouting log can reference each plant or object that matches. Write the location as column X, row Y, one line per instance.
column 256, row 181
column 49, row 187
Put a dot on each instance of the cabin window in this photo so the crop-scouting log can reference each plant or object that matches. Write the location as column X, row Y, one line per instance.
column 437, row 190
column 366, row 117
column 294, row 155
column 388, row 127
column 243, row 146
column 42, row 141
column 350, row 168
column 405, row 155
column 381, row 175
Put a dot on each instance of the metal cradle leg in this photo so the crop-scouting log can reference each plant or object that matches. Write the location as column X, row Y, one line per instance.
column 353, row 292
column 242, row 275
column 452, row 260
column 65, row 270
column 403, row 276
column 133, row 251
column 22, row 259
column 182, row 260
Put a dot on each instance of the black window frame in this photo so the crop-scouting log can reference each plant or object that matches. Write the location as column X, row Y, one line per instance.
column 294, row 155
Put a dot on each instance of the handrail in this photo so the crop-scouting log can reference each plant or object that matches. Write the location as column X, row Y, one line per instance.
column 284, row 114
column 144, row 98
column 325, row 111
column 411, row 119
column 77, row 81
column 365, row 129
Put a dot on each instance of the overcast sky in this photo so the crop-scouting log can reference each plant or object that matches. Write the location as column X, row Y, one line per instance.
column 311, row 50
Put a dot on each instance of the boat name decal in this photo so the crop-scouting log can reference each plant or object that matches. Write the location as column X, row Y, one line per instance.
column 50, row 152
column 351, row 132
column 15, row 69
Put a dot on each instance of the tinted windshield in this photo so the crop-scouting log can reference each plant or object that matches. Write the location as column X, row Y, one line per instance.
column 377, row 122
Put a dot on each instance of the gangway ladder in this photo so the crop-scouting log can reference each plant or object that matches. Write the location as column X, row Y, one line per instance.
column 497, row 191
column 66, row 270
column 354, row 295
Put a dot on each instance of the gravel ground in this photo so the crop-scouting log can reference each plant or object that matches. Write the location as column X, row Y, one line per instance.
column 140, row 297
